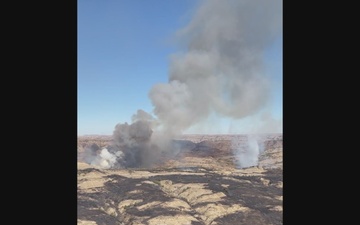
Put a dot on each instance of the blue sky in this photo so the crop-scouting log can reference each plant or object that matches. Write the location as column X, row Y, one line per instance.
column 123, row 50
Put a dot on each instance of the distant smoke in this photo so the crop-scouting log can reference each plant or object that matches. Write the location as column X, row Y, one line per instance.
column 222, row 72
column 133, row 145
column 102, row 158
column 247, row 151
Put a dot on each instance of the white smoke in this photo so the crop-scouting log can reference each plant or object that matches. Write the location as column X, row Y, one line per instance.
column 247, row 151
column 105, row 159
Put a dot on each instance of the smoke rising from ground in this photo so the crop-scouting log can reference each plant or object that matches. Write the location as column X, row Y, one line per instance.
column 247, row 152
column 221, row 71
column 133, row 145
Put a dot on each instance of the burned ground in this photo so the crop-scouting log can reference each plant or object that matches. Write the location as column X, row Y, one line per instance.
column 202, row 186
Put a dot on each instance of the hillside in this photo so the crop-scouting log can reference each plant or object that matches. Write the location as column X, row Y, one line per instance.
column 202, row 184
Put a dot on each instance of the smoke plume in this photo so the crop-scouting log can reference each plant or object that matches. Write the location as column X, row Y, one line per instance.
column 221, row 71
column 247, row 151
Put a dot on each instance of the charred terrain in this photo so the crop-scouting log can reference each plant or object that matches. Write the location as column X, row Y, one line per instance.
column 199, row 184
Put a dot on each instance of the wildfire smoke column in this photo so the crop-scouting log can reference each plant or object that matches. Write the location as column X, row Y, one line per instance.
column 222, row 69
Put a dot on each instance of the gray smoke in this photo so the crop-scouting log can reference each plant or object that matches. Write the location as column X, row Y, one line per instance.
column 221, row 71
column 133, row 145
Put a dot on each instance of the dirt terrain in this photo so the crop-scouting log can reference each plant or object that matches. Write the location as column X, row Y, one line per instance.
column 202, row 185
